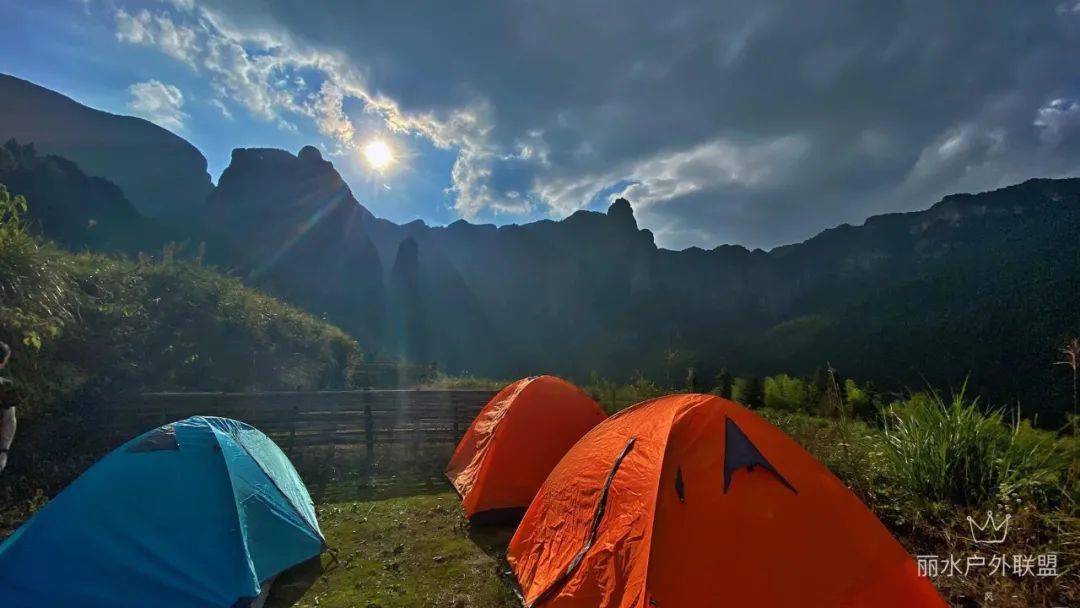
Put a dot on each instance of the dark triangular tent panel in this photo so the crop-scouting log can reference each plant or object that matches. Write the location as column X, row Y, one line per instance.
column 740, row 453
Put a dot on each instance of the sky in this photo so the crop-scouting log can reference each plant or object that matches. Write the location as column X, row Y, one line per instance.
column 754, row 123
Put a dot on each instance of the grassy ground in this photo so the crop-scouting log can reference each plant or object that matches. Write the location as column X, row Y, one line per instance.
column 391, row 550
column 399, row 539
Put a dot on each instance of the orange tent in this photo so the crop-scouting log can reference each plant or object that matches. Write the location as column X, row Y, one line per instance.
column 692, row 500
column 515, row 441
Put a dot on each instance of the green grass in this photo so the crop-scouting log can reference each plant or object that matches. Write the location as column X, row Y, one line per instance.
column 446, row 382
column 401, row 551
column 952, row 451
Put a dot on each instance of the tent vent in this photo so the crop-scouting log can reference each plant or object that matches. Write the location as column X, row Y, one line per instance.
column 680, row 487
column 161, row 438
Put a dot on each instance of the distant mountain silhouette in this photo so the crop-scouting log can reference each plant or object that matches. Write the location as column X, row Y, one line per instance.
column 160, row 173
column 979, row 285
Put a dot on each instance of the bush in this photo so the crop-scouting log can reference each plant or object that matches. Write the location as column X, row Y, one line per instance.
column 953, row 451
column 783, row 392
column 859, row 399
column 748, row 392
column 36, row 299
column 615, row 397
column 442, row 381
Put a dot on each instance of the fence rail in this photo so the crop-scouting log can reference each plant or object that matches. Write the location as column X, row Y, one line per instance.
column 313, row 418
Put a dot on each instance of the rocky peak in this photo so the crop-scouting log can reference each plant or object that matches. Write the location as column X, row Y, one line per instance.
column 269, row 178
column 622, row 212
column 310, row 154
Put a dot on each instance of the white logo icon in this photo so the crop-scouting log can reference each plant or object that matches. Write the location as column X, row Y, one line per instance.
column 991, row 532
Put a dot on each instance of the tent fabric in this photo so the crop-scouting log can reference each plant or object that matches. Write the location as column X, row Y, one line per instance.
column 637, row 515
column 515, row 441
column 198, row 513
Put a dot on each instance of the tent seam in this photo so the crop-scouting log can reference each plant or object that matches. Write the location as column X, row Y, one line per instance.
column 232, row 487
column 594, row 528
column 499, row 428
column 288, row 500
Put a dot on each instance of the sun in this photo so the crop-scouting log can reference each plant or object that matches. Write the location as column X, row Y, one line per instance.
column 378, row 155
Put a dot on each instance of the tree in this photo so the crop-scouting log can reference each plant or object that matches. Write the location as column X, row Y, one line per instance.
column 12, row 210
column 784, row 392
column 859, row 399
column 833, row 403
column 753, row 393
column 1071, row 358
column 723, row 383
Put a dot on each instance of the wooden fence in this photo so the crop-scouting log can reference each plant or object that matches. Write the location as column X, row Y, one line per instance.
column 317, row 418
column 392, row 374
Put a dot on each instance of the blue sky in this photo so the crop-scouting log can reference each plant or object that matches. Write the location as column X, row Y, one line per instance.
column 723, row 122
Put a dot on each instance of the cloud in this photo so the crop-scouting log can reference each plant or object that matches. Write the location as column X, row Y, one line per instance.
column 268, row 74
column 159, row 103
column 1057, row 117
column 264, row 72
column 224, row 109
column 706, row 167
column 758, row 123
column 141, row 27
column 329, row 114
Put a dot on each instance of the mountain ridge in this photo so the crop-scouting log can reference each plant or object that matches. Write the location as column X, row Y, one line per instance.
column 972, row 286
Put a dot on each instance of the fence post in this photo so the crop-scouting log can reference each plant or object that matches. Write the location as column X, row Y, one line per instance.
column 336, row 411
column 369, row 430
column 454, row 418
column 292, row 427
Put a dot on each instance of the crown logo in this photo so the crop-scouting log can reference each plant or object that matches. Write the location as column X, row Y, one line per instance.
column 991, row 532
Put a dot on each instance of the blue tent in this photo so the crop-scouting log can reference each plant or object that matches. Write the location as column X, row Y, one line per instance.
column 198, row 513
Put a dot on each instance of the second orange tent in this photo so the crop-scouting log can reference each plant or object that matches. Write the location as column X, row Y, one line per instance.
column 516, row 440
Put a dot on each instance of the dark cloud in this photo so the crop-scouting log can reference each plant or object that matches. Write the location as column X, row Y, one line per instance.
column 759, row 123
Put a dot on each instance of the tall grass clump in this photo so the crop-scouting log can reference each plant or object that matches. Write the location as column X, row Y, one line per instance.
column 36, row 298
column 953, row 451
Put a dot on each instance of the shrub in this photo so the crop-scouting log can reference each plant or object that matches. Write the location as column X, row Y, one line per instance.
column 614, row 397
column 749, row 392
column 36, row 299
column 443, row 381
column 860, row 400
column 953, row 451
column 784, row 392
